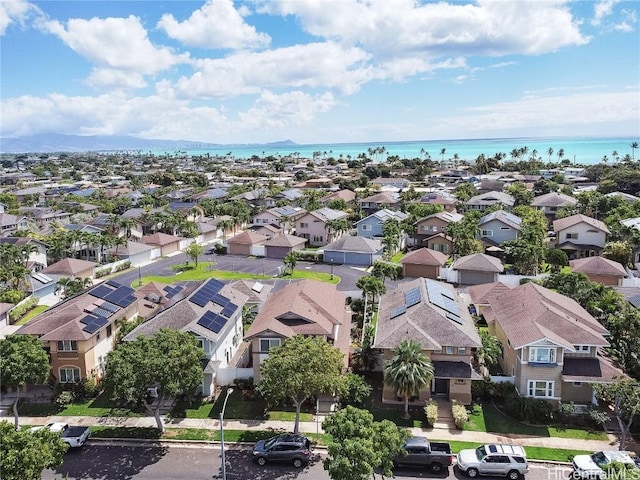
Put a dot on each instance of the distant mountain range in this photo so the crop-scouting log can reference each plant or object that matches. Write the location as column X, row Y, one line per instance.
column 54, row 142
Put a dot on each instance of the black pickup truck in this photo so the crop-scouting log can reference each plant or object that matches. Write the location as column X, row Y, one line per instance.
column 422, row 453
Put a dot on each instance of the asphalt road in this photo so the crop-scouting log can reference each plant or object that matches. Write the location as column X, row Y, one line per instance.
column 120, row 461
column 348, row 274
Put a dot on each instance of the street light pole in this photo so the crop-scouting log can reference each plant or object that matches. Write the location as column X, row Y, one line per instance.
column 332, row 269
column 224, row 405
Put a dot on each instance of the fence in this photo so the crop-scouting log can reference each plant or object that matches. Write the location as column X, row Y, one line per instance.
column 226, row 376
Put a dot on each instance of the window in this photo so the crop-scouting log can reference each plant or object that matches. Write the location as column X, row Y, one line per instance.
column 448, row 350
column 267, row 344
column 318, row 238
column 304, row 225
column 460, row 381
column 487, row 233
column 542, row 355
column 366, row 228
column 69, row 374
column 67, row 346
column 425, row 228
column 98, row 337
column 439, row 350
column 572, row 236
column 505, row 228
column 462, row 350
column 582, row 348
column 540, row 388
column 109, row 330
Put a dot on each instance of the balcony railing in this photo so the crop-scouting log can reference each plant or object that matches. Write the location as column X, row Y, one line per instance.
column 67, row 355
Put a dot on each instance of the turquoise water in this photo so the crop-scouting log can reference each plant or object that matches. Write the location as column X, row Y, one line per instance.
column 587, row 150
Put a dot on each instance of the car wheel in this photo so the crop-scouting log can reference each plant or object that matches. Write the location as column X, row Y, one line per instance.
column 261, row 461
column 513, row 475
column 472, row 473
column 297, row 462
column 436, row 467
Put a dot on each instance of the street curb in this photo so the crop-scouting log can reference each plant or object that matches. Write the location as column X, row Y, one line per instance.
column 316, row 448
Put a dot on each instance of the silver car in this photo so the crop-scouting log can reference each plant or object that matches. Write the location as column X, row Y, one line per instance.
column 493, row 459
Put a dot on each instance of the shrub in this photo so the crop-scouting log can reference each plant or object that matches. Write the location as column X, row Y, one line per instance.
column 431, row 411
column 20, row 310
column 102, row 273
column 460, row 415
column 65, row 398
column 528, row 409
column 11, row 296
column 123, row 266
column 356, row 391
column 486, row 389
column 308, row 256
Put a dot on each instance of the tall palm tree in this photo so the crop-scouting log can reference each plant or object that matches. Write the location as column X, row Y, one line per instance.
column 408, row 371
column 634, row 145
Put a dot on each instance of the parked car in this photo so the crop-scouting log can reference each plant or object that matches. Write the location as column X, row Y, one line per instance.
column 423, row 453
column 494, row 459
column 286, row 447
column 74, row 436
column 594, row 465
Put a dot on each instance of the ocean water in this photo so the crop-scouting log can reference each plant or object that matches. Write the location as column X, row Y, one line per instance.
column 583, row 150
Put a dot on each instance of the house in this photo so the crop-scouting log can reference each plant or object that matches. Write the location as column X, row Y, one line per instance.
column 549, row 203
column 440, row 242
column 267, row 230
column 9, row 224
column 379, row 201
column 423, row 262
column 4, row 314
column 135, row 252
column 428, row 226
column 78, row 333
column 485, row 200
column 306, row 307
column 435, row 315
column 446, row 199
column 481, row 295
column 284, row 218
column 477, row 268
column 552, row 347
column 42, row 216
column 255, row 198
column 600, row 270
column 627, row 197
column 499, row 227
column 315, row 226
column 372, row 226
column 353, row 251
column 213, row 315
column 347, row 196
column 580, row 236
column 283, row 244
column 633, row 224
column 293, row 197
column 71, row 268
column 257, row 293
column 37, row 256
column 166, row 243
column 244, row 243
column 397, row 183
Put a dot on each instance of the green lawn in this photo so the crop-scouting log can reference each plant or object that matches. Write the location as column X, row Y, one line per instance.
column 101, row 406
column 31, row 313
column 487, row 418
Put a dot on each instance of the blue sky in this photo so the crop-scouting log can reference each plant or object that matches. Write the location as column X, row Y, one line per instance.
column 320, row 71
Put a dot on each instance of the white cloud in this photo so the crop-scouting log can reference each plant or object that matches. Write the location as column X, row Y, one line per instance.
column 601, row 10
column 16, row 12
column 314, row 65
column 216, row 25
column 407, row 28
column 116, row 43
column 112, row 78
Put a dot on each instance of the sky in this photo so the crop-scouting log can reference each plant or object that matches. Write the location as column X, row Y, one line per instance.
column 320, row 71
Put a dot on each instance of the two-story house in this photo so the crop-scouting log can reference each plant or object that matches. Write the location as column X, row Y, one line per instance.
column 431, row 225
column 37, row 250
column 306, row 307
column 446, row 199
column 372, row 226
column 213, row 314
column 552, row 347
column 43, row 216
column 549, row 203
column 485, row 200
column 580, row 236
column 284, row 218
column 315, row 226
column 9, row 224
column 346, row 196
column 78, row 333
column 435, row 315
column 499, row 227
column 377, row 201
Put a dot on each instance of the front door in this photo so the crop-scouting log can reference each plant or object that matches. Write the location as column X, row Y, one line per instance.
column 440, row 387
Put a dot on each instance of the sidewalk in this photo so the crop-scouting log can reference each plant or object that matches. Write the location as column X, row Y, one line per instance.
column 445, row 434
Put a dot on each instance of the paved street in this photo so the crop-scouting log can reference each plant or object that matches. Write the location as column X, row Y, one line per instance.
column 128, row 461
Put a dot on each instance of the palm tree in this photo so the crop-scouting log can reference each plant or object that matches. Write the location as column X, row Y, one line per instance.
column 634, row 145
column 442, row 154
column 408, row 371
column 550, row 152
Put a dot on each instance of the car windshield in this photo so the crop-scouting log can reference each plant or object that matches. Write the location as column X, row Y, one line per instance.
column 599, row 459
column 481, row 453
column 270, row 442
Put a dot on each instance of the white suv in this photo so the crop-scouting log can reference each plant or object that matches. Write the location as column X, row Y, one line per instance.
column 505, row 460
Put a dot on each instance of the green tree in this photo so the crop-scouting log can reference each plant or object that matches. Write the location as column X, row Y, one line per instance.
column 290, row 260
column 521, row 193
column 464, row 192
column 169, row 361
column 24, row 455
column 371, row 285
column 23, row 360
column 618, row 252
column 301, row 368
column 408, row 371
column 624, row 397
column 557, row 258
column 194, row 251
column 490, row 352
column 359, row 445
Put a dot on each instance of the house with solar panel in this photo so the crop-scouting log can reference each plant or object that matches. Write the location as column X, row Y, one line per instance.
column 212, row 313
column 435, row 315
column 78, row 333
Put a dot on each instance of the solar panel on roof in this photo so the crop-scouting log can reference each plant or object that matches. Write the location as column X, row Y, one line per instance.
column 441, row 297
column 199, row 299
column 110, row 307
column 455, row 318
column 218, row 323
column 100, row 291
column 91, row 328
column 220, row 300
column 229, row 309
column 114, row 284
column 101, row 312
column 397, row 311
column 88, row 319
column 412, row 297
